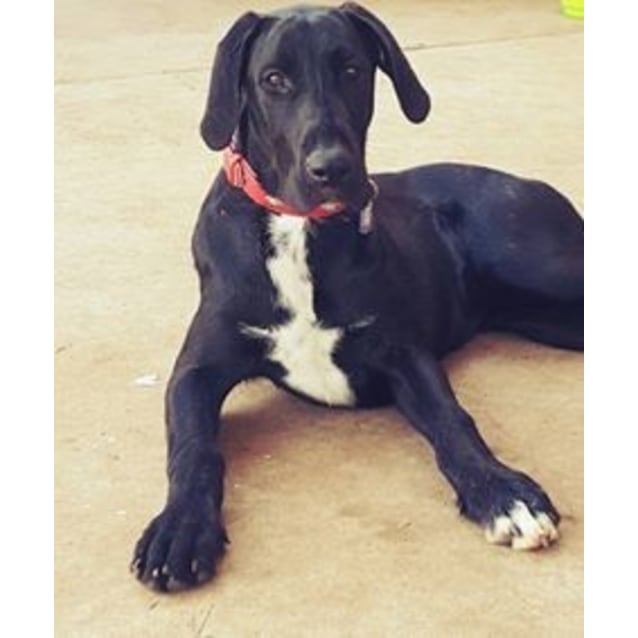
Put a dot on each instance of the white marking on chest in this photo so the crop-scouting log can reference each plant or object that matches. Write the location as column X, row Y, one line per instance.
column 301, row 345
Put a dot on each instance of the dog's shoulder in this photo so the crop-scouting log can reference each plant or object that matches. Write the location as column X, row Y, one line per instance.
column 228, row 236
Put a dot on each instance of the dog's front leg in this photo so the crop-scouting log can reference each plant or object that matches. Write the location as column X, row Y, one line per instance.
column 181, row 546
column 512, row 508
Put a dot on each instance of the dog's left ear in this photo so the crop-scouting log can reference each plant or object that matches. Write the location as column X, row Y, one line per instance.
column 414, row 100
column 223, row 106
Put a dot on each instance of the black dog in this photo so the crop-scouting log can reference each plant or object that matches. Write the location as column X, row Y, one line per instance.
column 346, row 289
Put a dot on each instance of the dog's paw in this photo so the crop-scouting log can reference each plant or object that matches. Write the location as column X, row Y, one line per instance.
column 179, row 549
column 513, row 510
column 522, row 528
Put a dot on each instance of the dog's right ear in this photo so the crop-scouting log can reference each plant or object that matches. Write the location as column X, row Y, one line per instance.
column 224, row 102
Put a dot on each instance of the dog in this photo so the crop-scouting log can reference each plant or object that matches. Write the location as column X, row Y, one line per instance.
column 347, row 288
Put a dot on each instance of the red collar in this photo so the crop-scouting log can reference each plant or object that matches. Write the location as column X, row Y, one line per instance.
column 240, row 174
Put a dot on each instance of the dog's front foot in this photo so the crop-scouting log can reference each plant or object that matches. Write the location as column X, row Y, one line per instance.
column 181, row 547
column 512, row 508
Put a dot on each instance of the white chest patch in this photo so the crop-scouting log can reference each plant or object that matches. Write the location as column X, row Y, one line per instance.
column 301, row 345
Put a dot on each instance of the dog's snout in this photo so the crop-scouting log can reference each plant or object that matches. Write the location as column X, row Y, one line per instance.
column 328, row 167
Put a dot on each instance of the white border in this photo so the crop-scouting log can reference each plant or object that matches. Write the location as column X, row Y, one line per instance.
column 611, row 314
column 26, row 254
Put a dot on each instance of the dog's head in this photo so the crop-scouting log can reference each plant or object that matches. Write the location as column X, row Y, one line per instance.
column 298, row 87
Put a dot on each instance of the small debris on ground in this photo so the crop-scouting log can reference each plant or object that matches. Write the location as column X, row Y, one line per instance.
column 147, row 380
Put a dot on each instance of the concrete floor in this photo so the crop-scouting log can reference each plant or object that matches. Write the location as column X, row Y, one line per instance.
column 341, row 524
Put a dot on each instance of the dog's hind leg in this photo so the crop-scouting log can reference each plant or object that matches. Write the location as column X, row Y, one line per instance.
column 549, row 321
column 181, row 546
column 525, row 243
column 512, row 508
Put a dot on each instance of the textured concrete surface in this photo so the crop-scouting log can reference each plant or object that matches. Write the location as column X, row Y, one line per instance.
column 341, row 524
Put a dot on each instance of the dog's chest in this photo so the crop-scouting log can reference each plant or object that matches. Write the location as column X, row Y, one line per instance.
column 301, row 345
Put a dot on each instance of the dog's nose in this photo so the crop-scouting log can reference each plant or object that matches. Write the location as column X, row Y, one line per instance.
column 328, row 167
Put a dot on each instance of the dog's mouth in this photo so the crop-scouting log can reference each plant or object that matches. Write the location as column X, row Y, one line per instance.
column 353, row 194
column 354, row 197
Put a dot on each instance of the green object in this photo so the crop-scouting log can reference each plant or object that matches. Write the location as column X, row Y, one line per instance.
column 573, row 8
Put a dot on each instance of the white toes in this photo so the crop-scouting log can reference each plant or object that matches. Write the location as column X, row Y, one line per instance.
column 548, row 527
column 500, row 531
column 522, row 529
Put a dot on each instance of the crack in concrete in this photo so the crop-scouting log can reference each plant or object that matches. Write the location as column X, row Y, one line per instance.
column 470, row 43
column 203, row 624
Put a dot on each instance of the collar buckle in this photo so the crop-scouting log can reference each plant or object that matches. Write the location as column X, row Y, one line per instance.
column 365, row 218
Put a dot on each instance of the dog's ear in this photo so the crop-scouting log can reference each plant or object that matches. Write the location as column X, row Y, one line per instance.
column 224, row 102
column 414, row 100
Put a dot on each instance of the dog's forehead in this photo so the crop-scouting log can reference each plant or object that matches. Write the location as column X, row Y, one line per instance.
column 291, row 31
column 311, row 14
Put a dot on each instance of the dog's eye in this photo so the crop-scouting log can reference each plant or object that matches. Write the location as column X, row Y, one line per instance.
column 351, row 71
column 276, row 81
